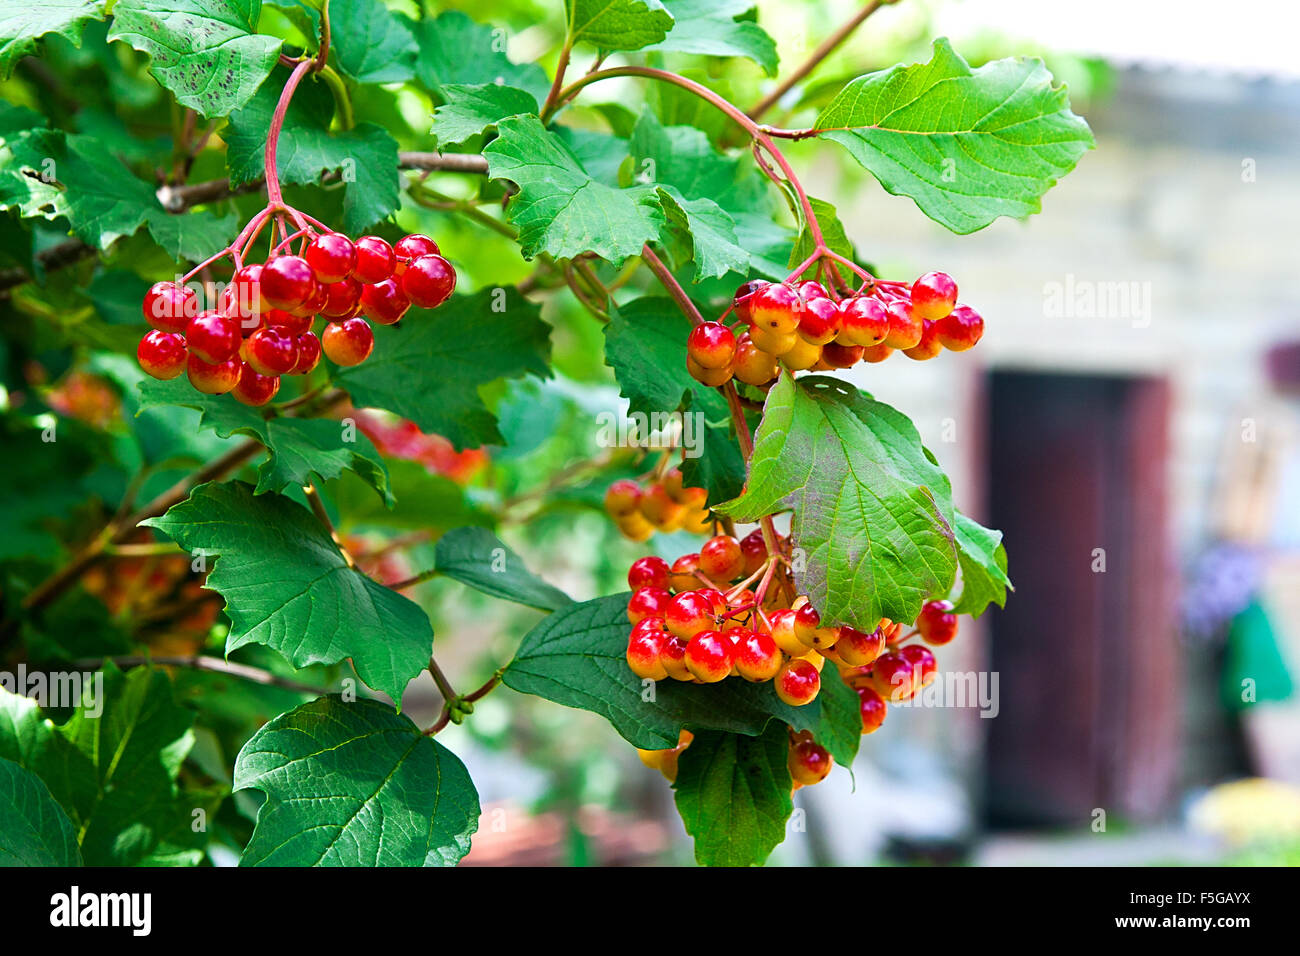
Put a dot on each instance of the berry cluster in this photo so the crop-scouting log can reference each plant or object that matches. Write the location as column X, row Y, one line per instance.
column 663, row 504
column 262, row 328
column 804, row 326
column 808, row 761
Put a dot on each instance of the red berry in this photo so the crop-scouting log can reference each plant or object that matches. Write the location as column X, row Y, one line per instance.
column 384, row 302
column 721, row 559
column 712, row 345
column 672, row 654
column 429, row 281
column 213, row 379
column 807, row 622
column 716, row 599
column 744, row 295
column 937, row 623
column 161, row 354
column 809, row 762
column 841, row 356
column 648, row 572
column 751, row 364
column 709, row 656
column 712, row 377
column 409, row 248
column 212, row 337
column 820, row 321
column 798, row 682
column 647, row 602
column 313, row 303
column 375, row 259
column 864, row 321
column 756, row 655
column 924, row 666
column 857, row 648
column 287, row 322
column 905, row 327
column 891, row 676
column 332, row 257
column 783, row 633
column 754, row 548
column 689, row 613
column 872, row 708
column 271, row 351
column 349, row 342
column 682, row 573
column 254, row 388
column 342, row 299
column 876, row 353
column 811, row 289
column 929, row 346
column 776, row 308
column 287, row 282
column 308, row 353
column 934, row 295
column 960, row 329
column 168, row 307
column 644, row 647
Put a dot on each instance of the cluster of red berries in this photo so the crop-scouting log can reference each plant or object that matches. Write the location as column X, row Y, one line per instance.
column 803, row 326
column 807, row 760
column 263, row 326
column 663, row 504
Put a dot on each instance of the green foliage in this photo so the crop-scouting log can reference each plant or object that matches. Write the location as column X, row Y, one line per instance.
column 34, row 830
column 23, row 24
column 477, row 558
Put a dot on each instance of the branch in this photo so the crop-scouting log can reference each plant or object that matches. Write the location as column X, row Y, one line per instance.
column 824, row 50
column 674, row 288
column 214, row 665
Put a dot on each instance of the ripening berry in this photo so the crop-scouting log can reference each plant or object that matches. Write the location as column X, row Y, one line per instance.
column 689, row 613
column 384, row 302
column 811, row 289
column 635, row 527
column 934, row 295
column 643, row 650
column 872, row 708
column 721, row 558
column 213, row 379
column 757, row 657
column 342, row 299
column 272, row 351
column 856, row 648
column 712, row 377
column 802, row 355
column 241, row 299
column 255, row 388
column 168, row 307
column 775, row 308
column 893, row 630
column 937, row 623
column 819, row 322
column 929, row 346
column 161, row 354
column 349, row 342
column 287, row 282
column 905, row 327
column 429, row 281
column 751, row 364
column 332, row 257
column 960, row 329
column 708, row 656
column 212, row 337
column 807, row 622
column 712, row 345
column 841, row 356
column 798, row 682
column 287, row 322
column 409, row 248
column 783, row 633
column 622, row 498
column 924, row 666
column 716, row 599
column 876, row 353
column 892, row 678
column 754, row 549
column 375, row 260
column 647, row 602
column 774, row 343
column 672, row 655
column 658, row 507
column 648, row 572
column 864, row 321
column 682, row 573
column 309, row 352
column 809, row 762
column 744, row 296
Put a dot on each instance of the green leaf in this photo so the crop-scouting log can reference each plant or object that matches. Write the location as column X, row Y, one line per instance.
column 476, row 557
column 301, row 449
column 365, row 156
column 112, row 765
column 116, row 295
column 645, row 345
column 22, row 24
column 734, row 795
column 455, row 49
column 617, row 24
column 368, row 42
column 560, row 209
column 208, row 54
column 967, row 146
column 872, row 513
column 52, row 175
column 711, row 231
column 577, row 657
column 472, row 108
column 429, row 368
column 983, row 562
column 193, row 235
column 713, row 28
column 287, row 586
column 355, row 784
column 34, row 830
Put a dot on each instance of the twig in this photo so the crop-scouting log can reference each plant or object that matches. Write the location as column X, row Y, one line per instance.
column 214, row 665
column 674, row 288
column 318, row 509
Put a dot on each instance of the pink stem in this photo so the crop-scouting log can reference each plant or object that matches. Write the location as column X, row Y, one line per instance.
column 273, row 132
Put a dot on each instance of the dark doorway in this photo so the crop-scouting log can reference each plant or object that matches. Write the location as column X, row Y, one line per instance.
column 1087, row 659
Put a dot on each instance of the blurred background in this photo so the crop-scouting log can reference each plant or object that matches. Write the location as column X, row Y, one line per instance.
column 1130, row 421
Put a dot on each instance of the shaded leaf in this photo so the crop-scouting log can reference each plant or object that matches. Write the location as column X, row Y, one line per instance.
column 476, row 557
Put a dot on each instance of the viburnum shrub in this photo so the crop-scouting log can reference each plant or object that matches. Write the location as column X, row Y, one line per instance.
column 217, row 513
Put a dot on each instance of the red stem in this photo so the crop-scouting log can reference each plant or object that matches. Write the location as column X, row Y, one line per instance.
column 277, row 123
